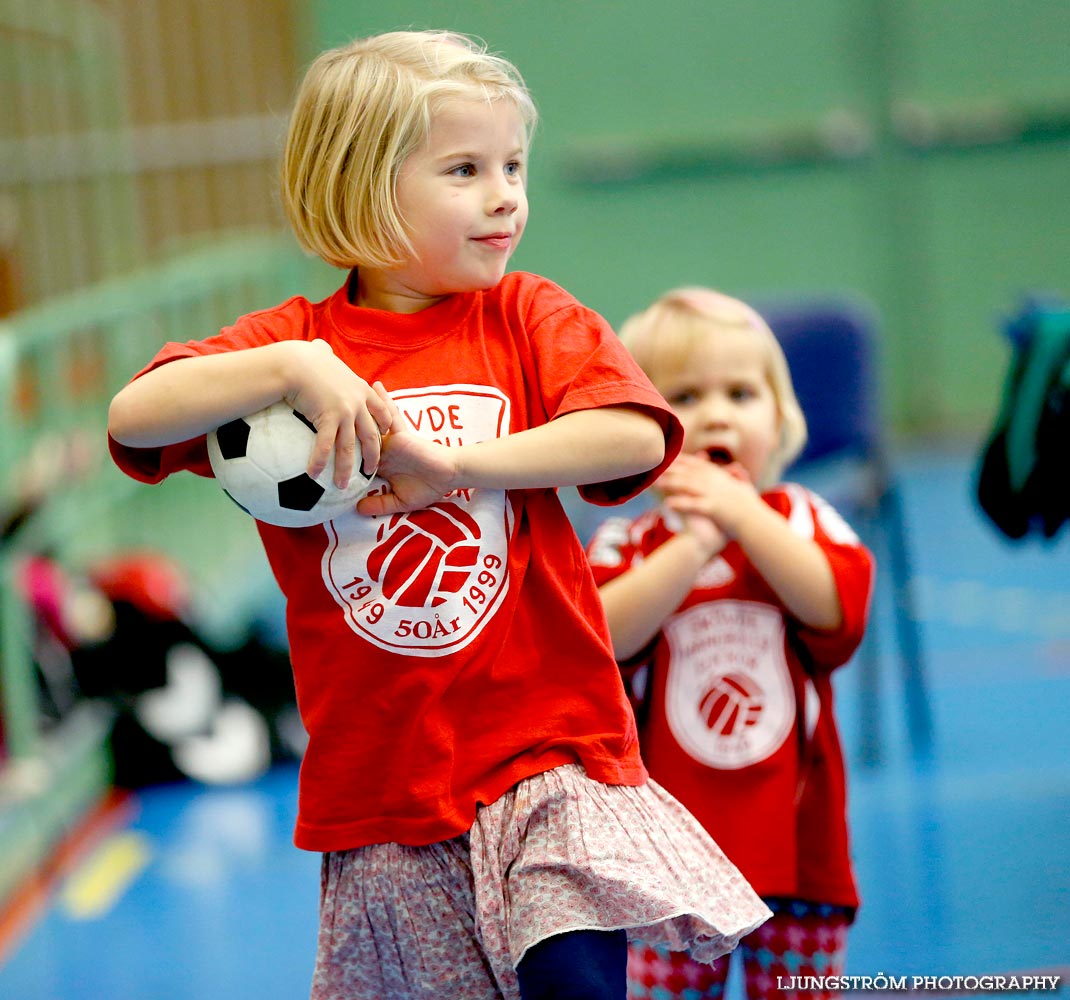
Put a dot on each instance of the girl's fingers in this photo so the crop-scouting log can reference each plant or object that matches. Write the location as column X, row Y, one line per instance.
column 380, row 504
column 385, row 416
column 345, row 453
column 355, row 439
column 386, row 413
column 686, row 503
column 736, row 471
column 669, row 483
column 321, row 450
column 371, row 446
column 685, row 463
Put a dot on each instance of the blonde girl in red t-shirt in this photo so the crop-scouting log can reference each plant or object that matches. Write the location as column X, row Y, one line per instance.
column 472, row 774
column 733, row 601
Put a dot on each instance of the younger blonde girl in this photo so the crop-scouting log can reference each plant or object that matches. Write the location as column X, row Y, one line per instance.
column 738, row 596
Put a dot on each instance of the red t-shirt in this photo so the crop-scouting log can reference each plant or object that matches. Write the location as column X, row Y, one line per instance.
column 443, row 655
column 740, row 724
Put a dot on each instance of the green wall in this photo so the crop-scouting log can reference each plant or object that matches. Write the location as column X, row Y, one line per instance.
column 914, row 152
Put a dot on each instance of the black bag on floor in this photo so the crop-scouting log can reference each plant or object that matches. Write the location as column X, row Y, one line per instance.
column 1023, row 484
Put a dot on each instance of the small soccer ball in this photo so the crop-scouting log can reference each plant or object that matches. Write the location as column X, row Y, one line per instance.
column 260, row 462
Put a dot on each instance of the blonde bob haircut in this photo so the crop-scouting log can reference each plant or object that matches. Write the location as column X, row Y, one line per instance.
column 664, row 336
column 360, row 111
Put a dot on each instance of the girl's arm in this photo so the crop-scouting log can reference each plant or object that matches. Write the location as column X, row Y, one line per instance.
column 190, row 396
column 585, row 446
column 794, row 567
column 638, row 601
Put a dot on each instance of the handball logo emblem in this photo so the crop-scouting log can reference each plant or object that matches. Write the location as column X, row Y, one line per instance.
column 424, row 555
column 733, row 703
column 426, row 582
column 728, row 695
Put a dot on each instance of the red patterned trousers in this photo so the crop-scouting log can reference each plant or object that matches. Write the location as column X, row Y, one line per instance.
column 800, row 940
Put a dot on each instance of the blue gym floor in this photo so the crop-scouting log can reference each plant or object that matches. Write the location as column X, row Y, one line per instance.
column 963, row 859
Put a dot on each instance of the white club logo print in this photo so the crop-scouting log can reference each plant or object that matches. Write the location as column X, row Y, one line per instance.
column 729, row 699
column 426, row 582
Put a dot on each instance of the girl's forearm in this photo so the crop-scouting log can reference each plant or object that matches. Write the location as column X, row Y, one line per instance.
column 795, row 567
column 638, row 602
column 190, row 396
column 586, row 446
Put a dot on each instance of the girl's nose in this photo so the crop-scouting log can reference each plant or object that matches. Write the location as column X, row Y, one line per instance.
column 714, row 411
column 505, row 202
column 504, row 196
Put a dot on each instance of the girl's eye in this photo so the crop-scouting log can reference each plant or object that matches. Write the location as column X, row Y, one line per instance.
column 742, row 393
column 685, row 397
column 464, row 170
column 513, row 169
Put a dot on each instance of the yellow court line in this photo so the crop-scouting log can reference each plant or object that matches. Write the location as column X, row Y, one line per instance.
column 99, row 881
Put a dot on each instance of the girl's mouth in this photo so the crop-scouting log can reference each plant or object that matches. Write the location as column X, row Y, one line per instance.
column 720, row 456
column 497, row 241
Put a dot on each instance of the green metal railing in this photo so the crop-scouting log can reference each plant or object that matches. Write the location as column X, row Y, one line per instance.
column 60, row 364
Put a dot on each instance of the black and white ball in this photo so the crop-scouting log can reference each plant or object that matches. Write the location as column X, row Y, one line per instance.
column 260, row 462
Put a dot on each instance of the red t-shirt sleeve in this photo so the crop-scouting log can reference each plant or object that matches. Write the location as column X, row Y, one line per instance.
column 613, row 548
column 153, row 465
column 582, row 365
column 852, row 569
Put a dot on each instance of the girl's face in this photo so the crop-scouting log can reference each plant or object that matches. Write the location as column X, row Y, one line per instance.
column 725, row 402
column 462, row 196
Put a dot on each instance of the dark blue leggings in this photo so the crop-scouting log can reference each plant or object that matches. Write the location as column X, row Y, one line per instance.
column 579, row 965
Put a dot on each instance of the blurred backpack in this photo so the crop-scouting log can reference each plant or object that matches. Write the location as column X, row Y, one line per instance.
column 1023, row 483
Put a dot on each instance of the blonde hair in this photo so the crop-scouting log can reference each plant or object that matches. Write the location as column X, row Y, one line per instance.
column 360, row 111
column 663, row 337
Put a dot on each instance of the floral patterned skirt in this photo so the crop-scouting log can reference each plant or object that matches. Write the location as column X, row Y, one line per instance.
column 559, row 852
